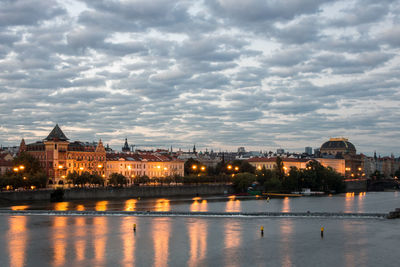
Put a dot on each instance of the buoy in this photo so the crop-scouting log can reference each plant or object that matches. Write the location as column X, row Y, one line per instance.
column 134, row 227
column 262, row 230
column 322, row 231
column 267, row 199
column 138, row 198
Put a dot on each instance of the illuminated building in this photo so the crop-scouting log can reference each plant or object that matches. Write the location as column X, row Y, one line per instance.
column 58, row 156
column 270, row 163
column 342, row 148
column 151, row 164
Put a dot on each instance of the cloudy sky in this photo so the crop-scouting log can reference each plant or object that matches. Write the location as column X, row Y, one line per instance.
column 221, row 74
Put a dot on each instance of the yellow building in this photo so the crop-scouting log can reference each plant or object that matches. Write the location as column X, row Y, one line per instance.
column 269, row 163
column 139, row 164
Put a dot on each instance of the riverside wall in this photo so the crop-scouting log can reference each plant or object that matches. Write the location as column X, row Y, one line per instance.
column 123, row 192
column 356, row 186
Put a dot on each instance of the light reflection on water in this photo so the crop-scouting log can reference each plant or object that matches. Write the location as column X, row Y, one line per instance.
column 198, row 242
column 286, row 229
column 130, row 205
column 80, row 233
column 106, row 241
column 286, row 205
column 59, row 236
column 233, row 205
column 17, row 237
column 233, row 240
column 100, row 235
column 162, row 205
column 161, row 234
column 128, row 242
column 199, row 206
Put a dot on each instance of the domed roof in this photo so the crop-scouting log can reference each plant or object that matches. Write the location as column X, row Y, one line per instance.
column 338, row 143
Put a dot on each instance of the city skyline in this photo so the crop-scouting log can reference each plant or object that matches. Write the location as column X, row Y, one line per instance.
column 280, row 75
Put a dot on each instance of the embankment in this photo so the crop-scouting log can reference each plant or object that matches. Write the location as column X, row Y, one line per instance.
column 123, row 192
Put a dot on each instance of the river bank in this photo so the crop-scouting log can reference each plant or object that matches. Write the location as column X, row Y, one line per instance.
column 118, row 192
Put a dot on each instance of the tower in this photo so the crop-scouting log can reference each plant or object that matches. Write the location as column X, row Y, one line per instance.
column 126, row 147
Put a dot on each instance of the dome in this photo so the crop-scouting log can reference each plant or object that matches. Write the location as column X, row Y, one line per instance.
column 335, row 145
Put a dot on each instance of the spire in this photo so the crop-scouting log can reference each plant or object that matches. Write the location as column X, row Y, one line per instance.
column 126, row 147
column 100, row 147
column 194, row 149
column 22, row 146
column 56, row 135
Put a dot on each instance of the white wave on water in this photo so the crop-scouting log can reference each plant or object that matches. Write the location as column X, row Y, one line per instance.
column 196, row 214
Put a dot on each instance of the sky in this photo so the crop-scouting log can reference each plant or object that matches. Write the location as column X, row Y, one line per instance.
column 218, row 74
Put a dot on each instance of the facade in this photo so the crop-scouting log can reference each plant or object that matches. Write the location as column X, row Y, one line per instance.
column 133, row 165
column 269, row 163
column 58, row 156
column 6, row 162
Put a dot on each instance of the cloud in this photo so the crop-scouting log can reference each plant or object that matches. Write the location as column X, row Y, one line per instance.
column 217, row 73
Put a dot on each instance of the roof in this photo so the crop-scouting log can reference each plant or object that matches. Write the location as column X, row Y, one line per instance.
column 56, row 134
column 338, row 144
column 274, row 160
column 149, row 157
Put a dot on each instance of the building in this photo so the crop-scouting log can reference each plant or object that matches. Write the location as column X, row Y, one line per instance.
column 270, row 163
column 151, row 164
column 338, row 146
column 308, row 150
column 6, row 162
column 58, row 156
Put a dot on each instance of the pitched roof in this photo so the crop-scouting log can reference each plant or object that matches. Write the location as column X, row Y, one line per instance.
column 56, row 134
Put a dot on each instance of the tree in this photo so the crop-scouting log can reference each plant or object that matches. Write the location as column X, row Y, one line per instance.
column 117, row 179
column 280, row 173
column 38, row 179
column 243, row 180
column 72, row 177
column 30, row 163
column 192, row 166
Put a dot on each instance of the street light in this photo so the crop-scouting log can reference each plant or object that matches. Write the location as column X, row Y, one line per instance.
column 101, row 166
column 16, row 169
column 203, row 168
column 21, row 167
column 236, row 168
column 194, row 167
column 229, row 167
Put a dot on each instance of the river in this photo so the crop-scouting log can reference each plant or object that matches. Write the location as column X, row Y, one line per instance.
column 44, row 240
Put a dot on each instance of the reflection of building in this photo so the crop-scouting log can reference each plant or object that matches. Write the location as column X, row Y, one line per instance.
column 58, row 156
column 132, row 165
column 269, row 163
